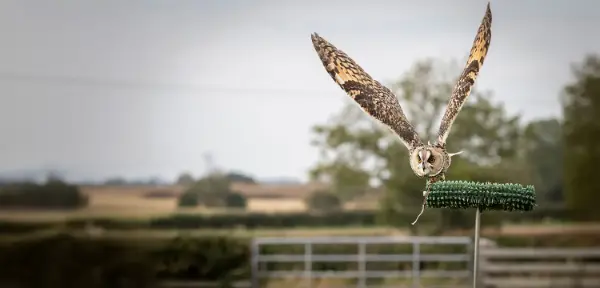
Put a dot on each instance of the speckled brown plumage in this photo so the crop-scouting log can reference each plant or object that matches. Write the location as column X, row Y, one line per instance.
column 431, row 160
column 374, row 98
column 462, row 89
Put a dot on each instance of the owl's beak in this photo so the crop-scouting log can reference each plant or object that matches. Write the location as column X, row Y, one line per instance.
column 422, row 168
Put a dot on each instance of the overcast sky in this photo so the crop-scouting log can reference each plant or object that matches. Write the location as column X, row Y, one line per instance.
column 141, row 88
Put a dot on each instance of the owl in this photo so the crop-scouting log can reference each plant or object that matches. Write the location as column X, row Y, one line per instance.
column 430, row 161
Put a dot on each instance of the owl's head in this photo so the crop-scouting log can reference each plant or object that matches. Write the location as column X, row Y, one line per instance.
column 429, row 160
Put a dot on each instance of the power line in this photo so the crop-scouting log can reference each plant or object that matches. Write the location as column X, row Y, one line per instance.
column 121, row 84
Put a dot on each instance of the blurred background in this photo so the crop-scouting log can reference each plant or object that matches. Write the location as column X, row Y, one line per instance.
column 149, row 143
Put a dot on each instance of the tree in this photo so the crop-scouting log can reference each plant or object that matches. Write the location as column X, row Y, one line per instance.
column 54, row 176
column 185, row 179
column 543, row 145
column 235, row 200
column 188, row 199
column 115, row 181
column 347, row 181
column 362, row 146
column 54, row 194
column 323, row 201
column 213, row 190
column 581, row 110
column 240, row 177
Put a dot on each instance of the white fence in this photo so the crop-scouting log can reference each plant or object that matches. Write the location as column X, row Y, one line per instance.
column 499, row 267
column 529, row 267
column 408, row 274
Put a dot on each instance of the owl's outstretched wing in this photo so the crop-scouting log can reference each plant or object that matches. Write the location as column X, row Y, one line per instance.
column 462, row 89
column 374, row 98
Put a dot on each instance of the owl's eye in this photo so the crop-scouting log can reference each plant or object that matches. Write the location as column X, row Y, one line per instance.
column 431, row 159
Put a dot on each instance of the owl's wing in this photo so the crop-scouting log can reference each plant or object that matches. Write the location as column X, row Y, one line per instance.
column 374, row 98
column 462, row 89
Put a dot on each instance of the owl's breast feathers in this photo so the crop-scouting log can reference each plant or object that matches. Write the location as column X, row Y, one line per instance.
column 436, row 178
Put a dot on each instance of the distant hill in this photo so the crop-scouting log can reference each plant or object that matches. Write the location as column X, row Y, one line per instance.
column 280, row 181
column 35, row 175
column 40, row 175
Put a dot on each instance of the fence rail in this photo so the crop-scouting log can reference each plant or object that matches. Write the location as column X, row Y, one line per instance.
column 203, row 284
column 362, row 274
column 540, row 267
column 499, row 267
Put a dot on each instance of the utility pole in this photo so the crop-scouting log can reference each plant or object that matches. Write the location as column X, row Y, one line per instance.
column 209, row 163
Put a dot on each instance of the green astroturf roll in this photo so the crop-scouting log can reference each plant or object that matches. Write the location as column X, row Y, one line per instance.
column 485, row 196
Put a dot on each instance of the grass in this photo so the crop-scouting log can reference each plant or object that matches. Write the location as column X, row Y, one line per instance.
column 390, row 282
column 133, row 203
column 249, row 233
column 276, row 205
column 136, row 206
column 530, row 230
column 149, row 234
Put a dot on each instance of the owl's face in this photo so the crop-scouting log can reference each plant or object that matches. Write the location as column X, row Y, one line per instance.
column 429, row 160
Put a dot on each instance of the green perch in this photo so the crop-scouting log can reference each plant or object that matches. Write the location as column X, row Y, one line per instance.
column 484, row 196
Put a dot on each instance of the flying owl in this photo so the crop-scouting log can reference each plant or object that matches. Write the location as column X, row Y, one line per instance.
column 426, row 160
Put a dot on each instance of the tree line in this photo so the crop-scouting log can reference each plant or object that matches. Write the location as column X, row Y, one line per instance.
column 54, row 194
column 211, row 191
